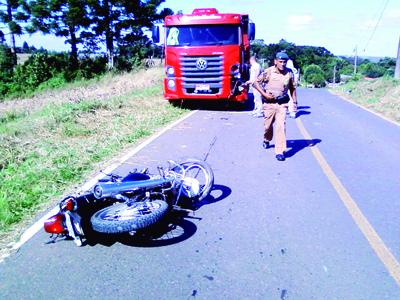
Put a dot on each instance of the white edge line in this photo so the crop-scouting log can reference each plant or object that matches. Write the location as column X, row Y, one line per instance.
column 31, row 231
column 365, row 108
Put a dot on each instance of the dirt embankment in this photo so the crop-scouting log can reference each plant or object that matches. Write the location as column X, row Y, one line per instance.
column 105, row 88
column 381, row 95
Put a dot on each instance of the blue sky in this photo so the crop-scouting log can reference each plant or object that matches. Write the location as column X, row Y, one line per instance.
column 338, row 25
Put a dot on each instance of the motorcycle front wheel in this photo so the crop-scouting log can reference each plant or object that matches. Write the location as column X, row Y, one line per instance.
column 202, row 172
column 126, row 217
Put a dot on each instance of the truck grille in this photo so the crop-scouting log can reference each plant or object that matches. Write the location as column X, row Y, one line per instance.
column 202, row 81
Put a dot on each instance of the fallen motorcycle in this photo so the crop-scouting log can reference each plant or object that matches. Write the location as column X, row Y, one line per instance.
column 119, row 204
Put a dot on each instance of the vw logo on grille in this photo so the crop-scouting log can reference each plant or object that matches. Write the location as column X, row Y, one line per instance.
column 201, row 64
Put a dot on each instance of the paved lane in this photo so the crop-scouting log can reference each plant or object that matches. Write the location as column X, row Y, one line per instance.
column 272, row 230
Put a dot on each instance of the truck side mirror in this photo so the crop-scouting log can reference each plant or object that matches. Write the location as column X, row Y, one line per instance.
column 155, row 34
column 252, row 31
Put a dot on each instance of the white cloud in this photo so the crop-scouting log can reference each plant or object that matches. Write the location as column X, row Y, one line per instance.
column 299, row 22
column 394, row 14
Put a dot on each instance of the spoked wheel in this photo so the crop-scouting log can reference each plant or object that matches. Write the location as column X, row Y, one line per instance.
column 125, row 217
column 199, row 179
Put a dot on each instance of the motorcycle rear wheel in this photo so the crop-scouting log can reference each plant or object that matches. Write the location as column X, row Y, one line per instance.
column 126, row 217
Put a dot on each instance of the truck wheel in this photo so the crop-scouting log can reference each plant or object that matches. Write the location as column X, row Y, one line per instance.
column 176, row 103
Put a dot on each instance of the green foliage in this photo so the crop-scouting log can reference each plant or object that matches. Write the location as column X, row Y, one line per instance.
column 372, row 70
column 356, row 77
column 304, row 56
column 6, row 64
column 45, row 70
column 313, row 74
column 53, row 83
column 90, row 67
column 63, row 18
column 347, row 70
column 36, row 70
column 48, row 150
column 12, row 14
column 121, row 23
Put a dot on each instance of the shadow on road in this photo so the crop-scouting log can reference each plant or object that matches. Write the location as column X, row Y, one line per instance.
column 174, row 228
column 301, row 110
column 218, row 193
column 215, row 105
column 298, row 145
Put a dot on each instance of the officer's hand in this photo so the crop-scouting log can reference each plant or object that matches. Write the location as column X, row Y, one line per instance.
column 269, row 96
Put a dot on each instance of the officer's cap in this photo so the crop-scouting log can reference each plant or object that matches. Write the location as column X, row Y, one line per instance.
column 281, row 55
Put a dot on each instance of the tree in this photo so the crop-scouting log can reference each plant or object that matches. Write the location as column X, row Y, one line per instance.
column 13, row 13
column 313, row 74
column 120, row 22
column 372, row 70
column 6, row 63
column 389, row 64
column 25, row 47
column 64, row 18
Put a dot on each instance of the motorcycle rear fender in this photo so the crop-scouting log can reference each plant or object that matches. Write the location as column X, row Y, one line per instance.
column 56, row 224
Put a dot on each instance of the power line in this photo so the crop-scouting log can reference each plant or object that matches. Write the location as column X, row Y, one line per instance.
column 376, row 25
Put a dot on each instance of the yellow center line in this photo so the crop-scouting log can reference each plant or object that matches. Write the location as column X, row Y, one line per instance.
column 377, row 244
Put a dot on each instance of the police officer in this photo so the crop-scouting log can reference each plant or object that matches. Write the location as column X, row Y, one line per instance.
column 274, row 84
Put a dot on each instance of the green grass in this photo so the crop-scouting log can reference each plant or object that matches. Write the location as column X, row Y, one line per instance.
column 381, row 95
column 46, row 152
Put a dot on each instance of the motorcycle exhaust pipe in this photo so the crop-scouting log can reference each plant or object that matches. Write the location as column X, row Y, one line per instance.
column 110, row 189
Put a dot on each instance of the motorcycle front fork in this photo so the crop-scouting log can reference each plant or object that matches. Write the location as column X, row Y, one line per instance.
column 73, row 221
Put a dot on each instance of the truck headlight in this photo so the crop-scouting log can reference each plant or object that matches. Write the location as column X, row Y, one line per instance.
column 235, row 71
column 171, row 84
column 170, row 71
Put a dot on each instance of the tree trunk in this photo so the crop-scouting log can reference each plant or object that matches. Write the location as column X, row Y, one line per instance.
column 13, row 48
column 109, row 37
column 74, row 48
column 397, row 69
column 110, row 50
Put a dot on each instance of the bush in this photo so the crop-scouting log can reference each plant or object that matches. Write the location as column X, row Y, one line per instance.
column 356, row 77
column 6, row 64
column 313, row 74
column 33, row 72
column 372, row 70
column 90, row 67
column 54, row 82
column 4, row 88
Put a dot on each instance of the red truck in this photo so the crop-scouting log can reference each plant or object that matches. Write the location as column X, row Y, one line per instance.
column 206, row 55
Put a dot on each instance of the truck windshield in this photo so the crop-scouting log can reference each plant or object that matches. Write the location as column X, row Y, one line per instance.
column 202, row 35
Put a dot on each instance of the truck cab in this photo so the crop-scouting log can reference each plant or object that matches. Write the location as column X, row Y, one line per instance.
column 207, row 55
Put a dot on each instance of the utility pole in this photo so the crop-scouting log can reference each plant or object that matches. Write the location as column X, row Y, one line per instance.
column 355, row 60
column 397, row 70
column 334, row 74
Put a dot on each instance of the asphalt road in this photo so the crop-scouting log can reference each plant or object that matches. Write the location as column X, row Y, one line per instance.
column 271, row 230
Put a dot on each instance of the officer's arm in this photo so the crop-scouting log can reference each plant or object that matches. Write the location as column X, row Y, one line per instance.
column 257, row 86
column 293, row 93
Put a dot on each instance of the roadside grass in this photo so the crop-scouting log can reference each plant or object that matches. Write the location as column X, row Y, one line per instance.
column 49, row 147
column 381, row 95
